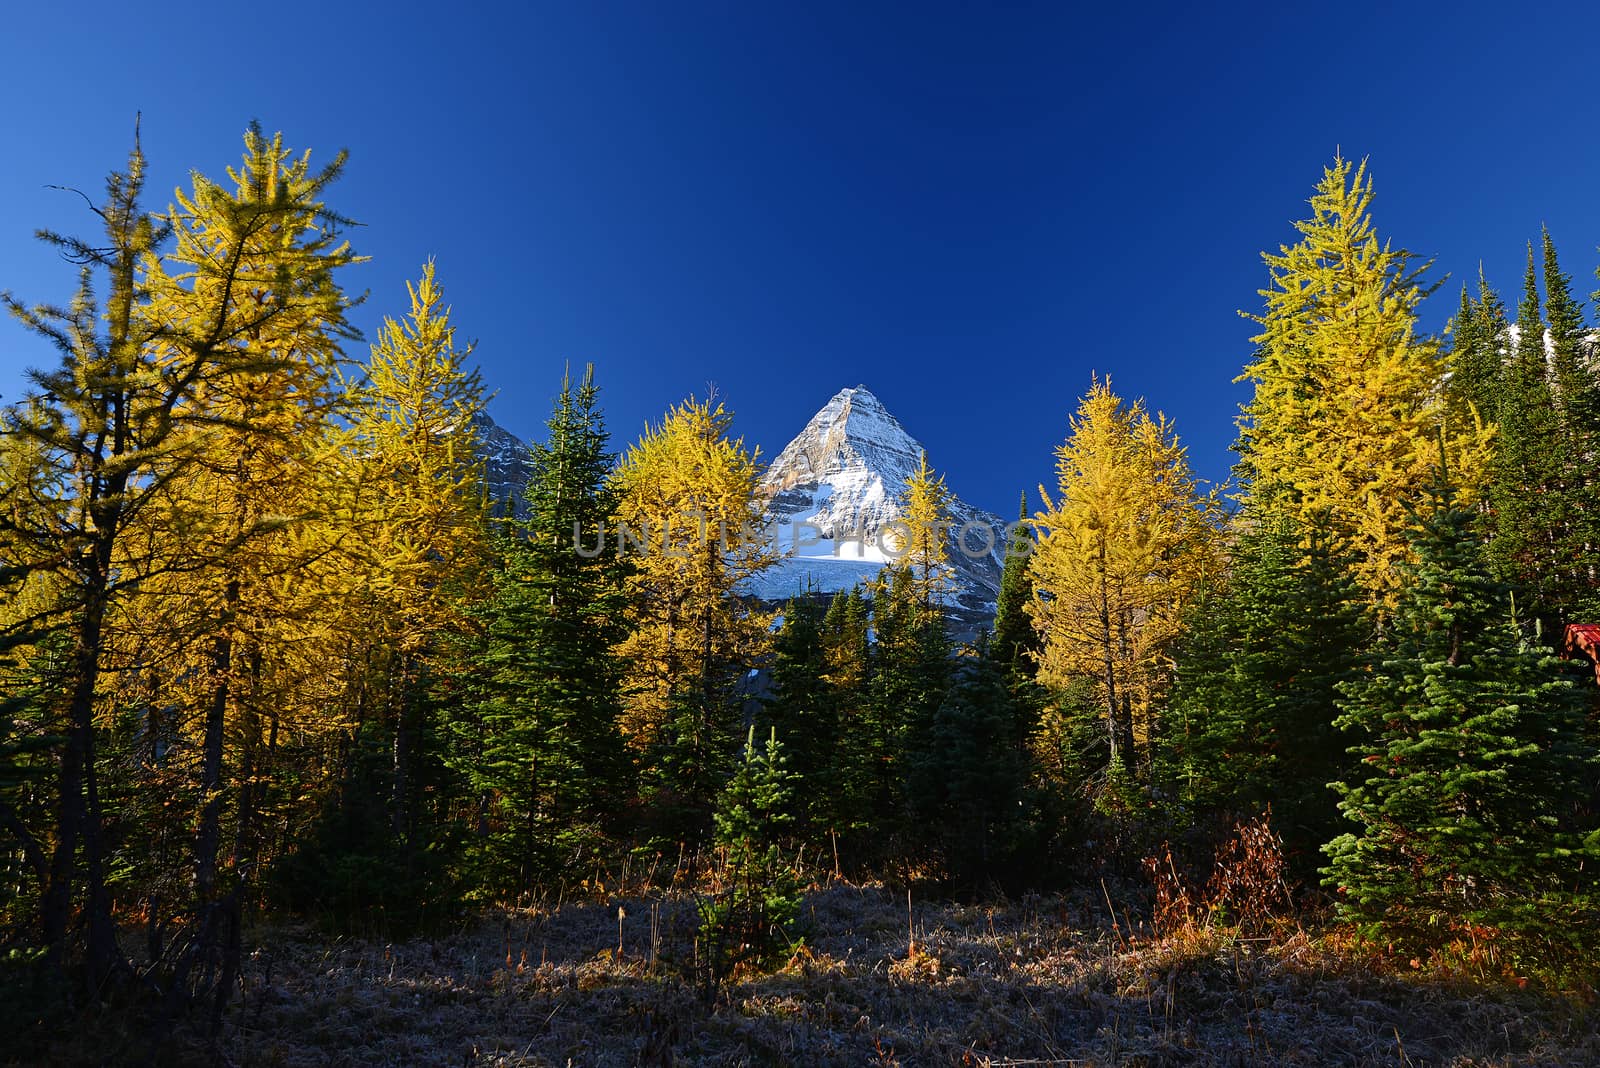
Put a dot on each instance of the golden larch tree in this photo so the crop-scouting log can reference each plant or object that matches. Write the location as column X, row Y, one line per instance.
column 418, row 553
column 1123, row 546
column 919, row 535
column 689, row 518
column 1348, row 415
column 227, row 628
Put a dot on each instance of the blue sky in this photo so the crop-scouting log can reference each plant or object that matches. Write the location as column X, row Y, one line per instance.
column 967, row 210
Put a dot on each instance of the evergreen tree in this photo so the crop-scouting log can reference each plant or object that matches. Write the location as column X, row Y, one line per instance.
column 803, row 708
column 1477, row 357
column 1570, row 344
column 1330, row 629
column 911, row 662
column 969, row 775
column 745, row 923
column 847, row 647
column 1016, row 642
column 1258, row 672
column 1231, row 663
column 1525, row 491
column 847, row 654
column 31, row 663
column 1476, row 752
column 544, row 747
column 913, row 648
column 1576, row 569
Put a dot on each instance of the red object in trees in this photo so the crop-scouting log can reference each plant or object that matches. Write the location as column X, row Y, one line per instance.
column 1582, row 642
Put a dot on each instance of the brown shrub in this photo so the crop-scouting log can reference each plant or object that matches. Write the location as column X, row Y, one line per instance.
column 1248, row 887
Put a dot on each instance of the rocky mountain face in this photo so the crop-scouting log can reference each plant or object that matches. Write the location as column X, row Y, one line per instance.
column 834, row 494
column 507, row 462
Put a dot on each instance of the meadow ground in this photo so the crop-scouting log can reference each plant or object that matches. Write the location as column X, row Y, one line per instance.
column 1039, row 981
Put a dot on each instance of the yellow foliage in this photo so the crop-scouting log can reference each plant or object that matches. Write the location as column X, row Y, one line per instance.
column 1122, row 548
column 918, row 536
column 230, row 627
column 1348, row 413
column 690, row 520
column 418, row 548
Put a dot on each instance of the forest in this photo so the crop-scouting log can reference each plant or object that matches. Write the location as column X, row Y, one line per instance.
column 283, row 685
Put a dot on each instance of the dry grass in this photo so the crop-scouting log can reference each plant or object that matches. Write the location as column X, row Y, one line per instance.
column 1041, row 981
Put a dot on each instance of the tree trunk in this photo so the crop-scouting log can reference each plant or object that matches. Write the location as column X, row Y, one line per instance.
column 230, row 906
column 1108, row 663
column 208, row 841
column 403, row 757
column 78, row 817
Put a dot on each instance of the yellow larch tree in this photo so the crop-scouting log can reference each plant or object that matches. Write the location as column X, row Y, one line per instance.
column 166, row 457
column 85, row 454
column 227, row 629
column 419, row 554
column 919, row 535
column 1123, row 546
column 689, row 517
column 1349, row 410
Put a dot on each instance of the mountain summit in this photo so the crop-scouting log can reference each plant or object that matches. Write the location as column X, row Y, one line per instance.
column 855, row 448
column 832, row 490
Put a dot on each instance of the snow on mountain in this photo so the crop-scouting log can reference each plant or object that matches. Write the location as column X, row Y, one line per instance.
column 834, row 488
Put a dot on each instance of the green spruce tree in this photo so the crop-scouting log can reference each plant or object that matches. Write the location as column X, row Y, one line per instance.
column 1257, row 680
column 746, row 923
column 1016, row 640
column 801, row 707
column 1472, row 754
column 910, row 673
column 1576, row 562
column 969, row 778
column 32, row 660
column 1476, row 356
column 1525, row 474
column 849, row 676
column 543, row 747
column 1570, row 342
column 1230, row 665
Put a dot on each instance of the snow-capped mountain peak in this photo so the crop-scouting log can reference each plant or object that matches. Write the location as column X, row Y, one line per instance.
column 832, row 490
column 857, row 450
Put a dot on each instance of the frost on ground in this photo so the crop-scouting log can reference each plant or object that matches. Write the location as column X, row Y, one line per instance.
column 1043, row 981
